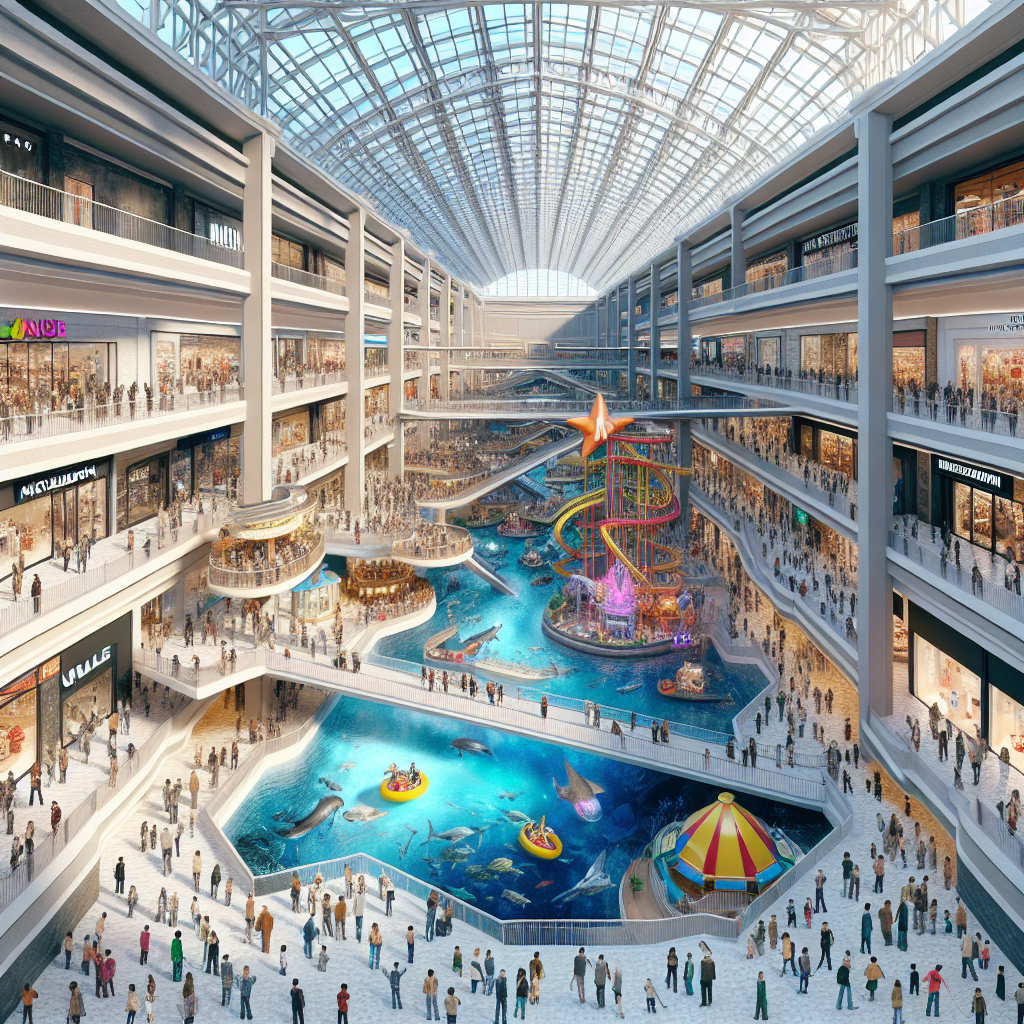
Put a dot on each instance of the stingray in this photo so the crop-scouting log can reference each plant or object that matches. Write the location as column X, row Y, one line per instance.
column 580, row 792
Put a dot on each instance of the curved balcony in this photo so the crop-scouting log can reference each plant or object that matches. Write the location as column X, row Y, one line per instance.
column 267, row 548
column 434, row 545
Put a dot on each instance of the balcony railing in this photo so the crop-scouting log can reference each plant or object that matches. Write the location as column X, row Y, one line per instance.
column 56, row 423
column 1005, row 213
column 298, row 464
column 43, row 201
column 306, row 382
column 255, row 579
column 292, row 274
column 376, row 299
column 954, row 414
column 806, row 272
column 435, row 315
column 372, row 370
column 843, row 390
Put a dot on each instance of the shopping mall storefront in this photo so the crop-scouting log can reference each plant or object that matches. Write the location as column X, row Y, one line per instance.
column 50, row 706
column 41, row 515
column 977, row 692
column 981, row 504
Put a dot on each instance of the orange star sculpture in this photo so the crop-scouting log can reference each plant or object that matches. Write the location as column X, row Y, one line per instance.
column 598, row 426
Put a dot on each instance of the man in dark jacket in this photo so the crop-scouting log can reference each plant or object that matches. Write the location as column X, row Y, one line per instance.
column 119, row 876
column 395, row 977
column 707, row 980
column 501, row 998
column 298, row 1003
column 843, row 979
column 579, row 972
column 826, row 939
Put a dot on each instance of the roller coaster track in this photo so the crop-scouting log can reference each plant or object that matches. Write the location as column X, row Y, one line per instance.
column 572, row 508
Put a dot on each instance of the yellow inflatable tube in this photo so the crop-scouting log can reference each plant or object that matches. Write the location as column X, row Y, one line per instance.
column 403, row 796
column 541, row 851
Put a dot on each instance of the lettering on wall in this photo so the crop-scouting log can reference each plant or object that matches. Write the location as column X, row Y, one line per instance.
column 35, row 487
column 78, row 673
column 847, row 233
column 21, row 328
column 981, row 476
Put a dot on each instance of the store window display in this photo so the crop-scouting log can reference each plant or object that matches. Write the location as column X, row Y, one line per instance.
column 767, row 271
column 834, row 355
column 990, row 201
column 289, row 430
column 39, row 375
column 188, row 363
column 18, row 725
column 1006, row 725
column 940, row 679
column 86, row 706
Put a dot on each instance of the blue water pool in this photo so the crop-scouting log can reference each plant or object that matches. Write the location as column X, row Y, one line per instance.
column 476, row 606
column 481, row 794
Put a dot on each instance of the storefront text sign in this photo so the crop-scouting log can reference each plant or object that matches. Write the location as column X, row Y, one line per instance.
column 35, row 487
column 976, row 475
column 1014, row 325
column 21, row 328
column 78, row 673
column 847, row 233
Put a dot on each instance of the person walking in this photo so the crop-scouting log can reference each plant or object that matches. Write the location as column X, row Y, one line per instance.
column 500, row 999
column 522, row 991
column 935, row 982
column 825, row 940
column 672, row 964
column 617, row 988
column 265, row 926
column 245, row 984
column 978, row 1007
column 805, row 971
column 227, row 980
column 215, row 877
column 358, row 909
column 579, row 973
column 688, row 974
column 28, row 994
column 343, row 1005
column 119, row 877
column 879, row 869
column 874, row 974
column 897, row 1002
column 843, row 981
column 189, row 1000
column 340, row 914
column 885, row 920
column 1018, row 998
column 866, row 928
column 650, row 992
column 430, row 994
column 132, row 1005
column 707, row 980
column 967, row 954
column 761, row 1005
column 298, row 1003
column 176, row 957
column 144, row 946
column 197, row 869
column 376, row 940
column 76, row 1006
column 819, row 892
column 451, row 1005
column 600, row 979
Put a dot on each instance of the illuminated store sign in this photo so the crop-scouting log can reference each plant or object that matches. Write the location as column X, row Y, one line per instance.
column 847, row 233
column 21, row 328
column 78, row 673
column 36, row 487
column 978, row 476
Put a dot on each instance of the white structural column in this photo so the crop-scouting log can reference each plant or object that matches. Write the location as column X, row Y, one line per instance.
column 396, row 354
column 257, row 362
column 631, row 335
column 684, row 343
column 874, row 484
column 355, row 274
column 444, row 312
column 458, row 339
column 738, row 260
column 655, row 304
column 423, row 308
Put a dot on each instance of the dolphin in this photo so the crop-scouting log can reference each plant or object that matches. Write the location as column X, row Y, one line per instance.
column 327, row 807
column 453, row 835
column 580, row 792
column 462, row 744
column 594, row 881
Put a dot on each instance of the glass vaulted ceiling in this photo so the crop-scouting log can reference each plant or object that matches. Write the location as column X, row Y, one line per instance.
column 576, row 138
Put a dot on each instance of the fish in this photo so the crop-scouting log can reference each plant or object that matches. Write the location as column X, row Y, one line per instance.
column 462, row 894
column 517, row 817
column 468, row 746
column 452, row 835
column 324, row 781
column 326, row 808
column 544, row 884
column 500, row 864
column 580, row 792
column 510, row 794
column 479, row 874
column 535, row 648
column 594, row 881
column 515, row 897
column 565, row 860
column 361, row 812
column 347, row 766
column 484, row 636
column 456, row 853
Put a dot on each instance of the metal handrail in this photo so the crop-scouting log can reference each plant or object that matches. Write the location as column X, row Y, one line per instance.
column 844, row 391
column 283, row 272
column 307, row 381
column 43, row 201
column 376, row 299
column 251, row 579
column 981, row 220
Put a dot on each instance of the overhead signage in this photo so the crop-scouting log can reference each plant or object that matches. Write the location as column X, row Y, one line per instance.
column 81, row 672
column 1014, row 325
column 21, row 328
column 975, row 475
column 194, row 440
column 847, row 233
column 225, row 236
column 37, row 486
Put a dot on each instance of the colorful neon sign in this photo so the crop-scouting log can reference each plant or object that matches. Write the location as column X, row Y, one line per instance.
column 21, row 328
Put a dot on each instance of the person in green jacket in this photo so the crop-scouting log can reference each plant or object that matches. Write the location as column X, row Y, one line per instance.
column 688, row 973
column 762, row 997
column 215, row 877
column 176, row 957
column 843, row 980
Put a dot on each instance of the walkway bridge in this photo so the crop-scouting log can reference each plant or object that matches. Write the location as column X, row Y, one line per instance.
column 526, row 377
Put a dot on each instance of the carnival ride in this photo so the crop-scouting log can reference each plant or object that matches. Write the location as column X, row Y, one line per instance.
column 400, row 787
column 540, row 841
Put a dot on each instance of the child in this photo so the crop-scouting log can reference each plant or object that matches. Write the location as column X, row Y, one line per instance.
column 132, row 1006
column 915, row 981
column 283, row 960
column 321, row 960
column 343, row 1005
column 451, row 1005
column 948, row 924
column 649, row 990
column 410, row 940
column 457, row 962
column 978, row 1006
column 985, row 954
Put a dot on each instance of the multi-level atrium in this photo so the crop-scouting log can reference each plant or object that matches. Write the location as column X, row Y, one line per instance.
column 485, row 481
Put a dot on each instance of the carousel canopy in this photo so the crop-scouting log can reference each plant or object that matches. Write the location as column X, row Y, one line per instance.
column 321, row 577
column 727, row 846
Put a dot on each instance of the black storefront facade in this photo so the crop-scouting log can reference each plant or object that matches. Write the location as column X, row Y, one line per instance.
column 978, row 692
column 49, row 707
column 980, row 504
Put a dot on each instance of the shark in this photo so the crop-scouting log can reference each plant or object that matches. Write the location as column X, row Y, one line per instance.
column 594, row 881
column 580, row 792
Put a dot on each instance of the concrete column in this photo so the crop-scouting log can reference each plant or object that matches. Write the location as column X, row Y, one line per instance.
column 874, row 484
column 446, row 337
column 423, row 387
column 396, row 352
column 655, row 334
column 684, row 286
column 739, row 260
column 355, row 273
column 257, row 363
column 631, row 334
column 608, row 337
column 256, row 696
column 459, row 339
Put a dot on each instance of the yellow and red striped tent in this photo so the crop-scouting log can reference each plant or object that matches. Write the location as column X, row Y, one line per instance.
column 724, row 846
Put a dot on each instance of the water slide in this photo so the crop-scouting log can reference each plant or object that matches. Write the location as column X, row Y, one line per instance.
column 573, row 507
column 479, row 566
